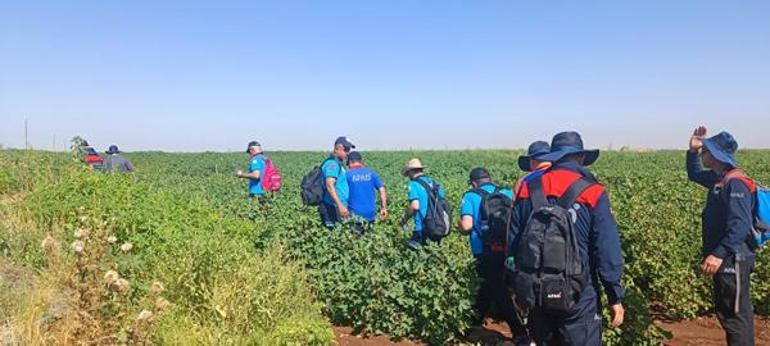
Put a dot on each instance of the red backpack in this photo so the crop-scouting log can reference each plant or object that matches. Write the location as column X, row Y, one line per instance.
column 271, row 179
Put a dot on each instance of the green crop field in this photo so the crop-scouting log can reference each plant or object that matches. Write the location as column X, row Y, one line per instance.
column 206, row 266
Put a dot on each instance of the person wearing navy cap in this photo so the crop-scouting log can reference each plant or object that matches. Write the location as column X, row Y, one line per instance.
column 334, row 207
column 597, row 243
column 363, row 184
column 256, row 171
column 727, row 221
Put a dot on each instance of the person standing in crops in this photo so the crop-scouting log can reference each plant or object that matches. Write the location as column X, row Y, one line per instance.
column 363, row 182
column 256, row 171
column 532, row 164
column 114, row 162
column 417, row 196
column 597, row 246
column 727, row 221
column 334, row 207
column 489, row 258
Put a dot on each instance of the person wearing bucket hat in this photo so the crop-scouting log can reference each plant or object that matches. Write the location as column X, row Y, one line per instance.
column 417, row 196
column 727, row 222
column 532, row 163
column 256, row 171
column 487, row 243
column 114, row 162
column 334, row 207
column 569, row 184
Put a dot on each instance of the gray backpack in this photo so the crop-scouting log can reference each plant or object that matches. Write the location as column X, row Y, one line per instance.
column 548, row 273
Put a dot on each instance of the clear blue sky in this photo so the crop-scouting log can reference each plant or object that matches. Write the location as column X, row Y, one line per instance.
column 193, row 76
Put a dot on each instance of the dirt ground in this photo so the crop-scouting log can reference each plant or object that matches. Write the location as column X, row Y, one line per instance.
column 706, row 331
column 703, row 331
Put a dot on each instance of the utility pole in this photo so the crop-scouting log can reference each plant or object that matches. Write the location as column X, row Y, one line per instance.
column 53, row 146
column 26, row 139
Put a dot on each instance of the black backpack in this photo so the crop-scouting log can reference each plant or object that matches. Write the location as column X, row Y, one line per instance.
column 438, row 220
column 494, row 217
column 313, row 185
column 548, row 273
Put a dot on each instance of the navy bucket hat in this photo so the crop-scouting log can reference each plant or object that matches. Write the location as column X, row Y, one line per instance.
column 535, row 150
column 113, row 149
column 568, row 143
column 722, row 147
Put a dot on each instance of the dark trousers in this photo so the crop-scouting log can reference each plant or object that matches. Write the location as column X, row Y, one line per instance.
column 493, row 293
column 582, row 327
column 732, row 300
column 328, row 215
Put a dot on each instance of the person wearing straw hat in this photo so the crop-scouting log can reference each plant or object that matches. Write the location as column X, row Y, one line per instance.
column 532, row 164
column 256, row 170
column 727, row 221
column 114, row 162
column 417, row 196
column 597, row 240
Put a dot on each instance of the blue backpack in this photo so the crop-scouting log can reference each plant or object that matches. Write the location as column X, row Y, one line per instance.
column 762, row 224
column 761, row 231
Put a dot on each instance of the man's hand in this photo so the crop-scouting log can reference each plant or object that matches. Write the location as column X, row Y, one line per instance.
column 383, row 214
column 618, row 313
column 239, row 173
column 696, row 141
column 711, row 264
column 343, row 211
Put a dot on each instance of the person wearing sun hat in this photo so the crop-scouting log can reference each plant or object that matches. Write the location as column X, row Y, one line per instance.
column 114, row 162
column 597, row 238
column 531, row 162
column 727, row 221
column 417, row 196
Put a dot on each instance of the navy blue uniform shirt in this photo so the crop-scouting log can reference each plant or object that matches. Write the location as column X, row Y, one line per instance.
column 597, row 232
column 728, row 215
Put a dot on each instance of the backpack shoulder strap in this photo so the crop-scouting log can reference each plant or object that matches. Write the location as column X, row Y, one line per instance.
column 536, row 193
column 574, row 191
column 339, row 166
column 426, row 186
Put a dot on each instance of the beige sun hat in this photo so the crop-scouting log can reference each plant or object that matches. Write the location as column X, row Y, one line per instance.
column 412, row 164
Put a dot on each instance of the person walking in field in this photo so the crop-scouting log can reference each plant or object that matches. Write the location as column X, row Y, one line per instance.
column 420, row 189
column 727, row 221
column 484, row 214
column 114, row 162
column 88, row 155
column 564, row 238
column 532, row 164
column 334, row 207
column 256, row 171
column 363, row 182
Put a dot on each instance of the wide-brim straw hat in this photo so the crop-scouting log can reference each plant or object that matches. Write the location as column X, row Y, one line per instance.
column 412, row 165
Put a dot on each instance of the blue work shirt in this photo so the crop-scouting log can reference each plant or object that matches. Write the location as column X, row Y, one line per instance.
column 418, row 193
column 257, row 163
column 727, row 218
column 471, row 206
column 362, row 183
column 331, row 168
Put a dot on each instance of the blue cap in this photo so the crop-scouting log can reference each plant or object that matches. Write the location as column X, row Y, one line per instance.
column 535, row 150
column 722, row 147
column 345, row 142
column 113, row 149
column 568, row 143
column 253, row 144
column 355, row 156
